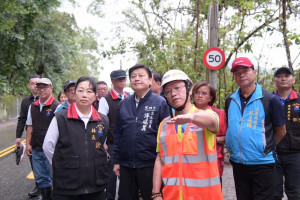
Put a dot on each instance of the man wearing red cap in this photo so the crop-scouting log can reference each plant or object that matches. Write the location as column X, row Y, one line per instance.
column 254, row 127
column 288, row 150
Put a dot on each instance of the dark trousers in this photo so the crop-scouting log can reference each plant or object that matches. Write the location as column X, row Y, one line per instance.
column 287, row 166
column 253, row 182
column 112, row 181
column 92, row 196
column 133, row 180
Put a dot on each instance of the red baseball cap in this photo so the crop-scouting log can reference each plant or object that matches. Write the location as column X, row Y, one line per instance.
column 241, row 61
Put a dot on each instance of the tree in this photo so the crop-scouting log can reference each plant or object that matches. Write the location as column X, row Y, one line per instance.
column 169, row 29
column 39, row 39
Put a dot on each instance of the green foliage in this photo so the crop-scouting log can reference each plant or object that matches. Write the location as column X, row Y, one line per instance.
column 170, row 36
column 95, row 8
column 36, row 38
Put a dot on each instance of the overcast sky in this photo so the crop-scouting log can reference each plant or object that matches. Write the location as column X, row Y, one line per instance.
column 112, row 10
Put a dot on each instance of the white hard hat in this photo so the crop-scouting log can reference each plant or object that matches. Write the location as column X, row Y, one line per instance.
column 174, row 75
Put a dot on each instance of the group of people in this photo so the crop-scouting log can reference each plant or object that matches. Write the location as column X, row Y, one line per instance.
column 164, row 141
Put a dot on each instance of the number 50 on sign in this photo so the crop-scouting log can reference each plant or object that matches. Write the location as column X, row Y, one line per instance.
column 214, row 58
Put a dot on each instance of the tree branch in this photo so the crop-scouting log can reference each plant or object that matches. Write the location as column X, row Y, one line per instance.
column 267, row 22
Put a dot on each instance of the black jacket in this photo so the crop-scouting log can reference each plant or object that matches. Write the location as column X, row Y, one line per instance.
column 80, row 162
column 23, row 114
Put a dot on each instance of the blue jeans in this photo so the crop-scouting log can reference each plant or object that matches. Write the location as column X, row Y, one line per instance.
column 287, row 166
column 41, row 169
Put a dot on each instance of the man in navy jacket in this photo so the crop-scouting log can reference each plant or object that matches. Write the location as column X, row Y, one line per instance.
column 138, row 119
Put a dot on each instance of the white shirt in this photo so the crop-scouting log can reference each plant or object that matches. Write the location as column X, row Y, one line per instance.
column 53, row 134
column 138, row 100
column 103, row 105
column 29, row 118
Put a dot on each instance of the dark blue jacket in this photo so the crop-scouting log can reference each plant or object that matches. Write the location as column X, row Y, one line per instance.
column 136, row 130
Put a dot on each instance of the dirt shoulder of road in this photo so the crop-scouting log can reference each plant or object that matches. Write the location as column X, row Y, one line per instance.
column 8, row 123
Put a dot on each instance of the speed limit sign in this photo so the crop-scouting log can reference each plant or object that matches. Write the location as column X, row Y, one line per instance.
column 214, row 58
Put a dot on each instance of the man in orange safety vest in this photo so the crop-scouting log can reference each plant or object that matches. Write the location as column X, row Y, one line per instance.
column 187, row 158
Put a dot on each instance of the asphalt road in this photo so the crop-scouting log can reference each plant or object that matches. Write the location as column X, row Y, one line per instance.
column 14, row 184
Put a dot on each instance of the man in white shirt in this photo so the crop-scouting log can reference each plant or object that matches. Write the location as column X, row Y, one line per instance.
column 102, row 90
column 40, row 114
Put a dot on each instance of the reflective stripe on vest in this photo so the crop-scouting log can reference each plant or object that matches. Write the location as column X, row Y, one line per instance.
column 200, row 157
column 192, row 182
column 188, row 163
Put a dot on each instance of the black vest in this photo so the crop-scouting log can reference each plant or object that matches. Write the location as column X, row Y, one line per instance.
column 41, row 121
column 80, row 162
column 291, row 141
column 112, row 114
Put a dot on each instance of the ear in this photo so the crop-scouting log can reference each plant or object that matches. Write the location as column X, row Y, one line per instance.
column 255, row 72
column 294, row 80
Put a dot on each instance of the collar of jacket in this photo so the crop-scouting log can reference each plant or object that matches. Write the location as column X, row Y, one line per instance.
column 72, row 113
column 32, row 97
column 292, row 96
column 147, row 95
column 257, row 94
column 50, row 101
column 115, row 96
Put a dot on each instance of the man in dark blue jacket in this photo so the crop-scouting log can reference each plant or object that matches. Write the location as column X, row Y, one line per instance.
column 23, row 117
column 138, row 119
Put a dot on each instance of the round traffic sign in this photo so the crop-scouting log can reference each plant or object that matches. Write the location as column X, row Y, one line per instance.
column 214, row 58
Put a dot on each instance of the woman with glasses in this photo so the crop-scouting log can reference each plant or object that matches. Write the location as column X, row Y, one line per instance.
column 204, row 96
column 74, row 145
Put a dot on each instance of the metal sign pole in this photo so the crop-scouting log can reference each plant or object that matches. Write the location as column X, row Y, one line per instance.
column 213, row 36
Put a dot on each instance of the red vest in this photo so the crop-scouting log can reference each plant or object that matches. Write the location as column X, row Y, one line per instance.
column 190, row 168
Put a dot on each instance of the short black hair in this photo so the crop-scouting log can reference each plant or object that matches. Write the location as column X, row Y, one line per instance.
column 101, row 83
column 140, row 66
column 157, row 77
column 34, row 76
column 90, row 79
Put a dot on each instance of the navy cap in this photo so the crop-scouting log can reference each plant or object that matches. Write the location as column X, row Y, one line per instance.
column 117, row 74
column 68, row 83
column 283, row 70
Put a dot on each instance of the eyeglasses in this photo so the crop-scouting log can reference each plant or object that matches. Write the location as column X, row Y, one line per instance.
column 198, row 93
column 175, row 89
column 102, row 89
column 70, row 90
column 42, row 88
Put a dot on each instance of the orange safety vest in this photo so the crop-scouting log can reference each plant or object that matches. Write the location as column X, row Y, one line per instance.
column 190, row 167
